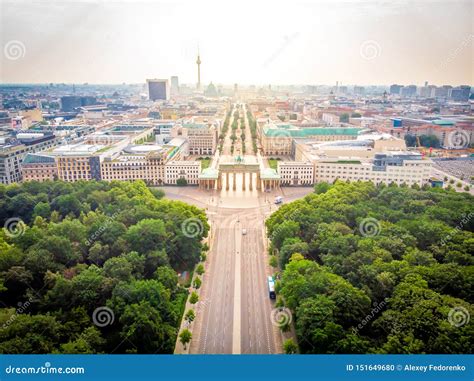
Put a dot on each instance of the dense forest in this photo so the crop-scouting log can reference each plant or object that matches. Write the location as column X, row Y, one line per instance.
column 369, row 269
column 92, row 267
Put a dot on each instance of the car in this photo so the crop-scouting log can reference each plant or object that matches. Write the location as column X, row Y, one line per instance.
column 244, row 231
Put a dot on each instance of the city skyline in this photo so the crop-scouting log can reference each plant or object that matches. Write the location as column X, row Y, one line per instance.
column 350, row 42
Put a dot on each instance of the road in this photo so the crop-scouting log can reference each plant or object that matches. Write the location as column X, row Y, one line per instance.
column 258, row 335
column 234, row 310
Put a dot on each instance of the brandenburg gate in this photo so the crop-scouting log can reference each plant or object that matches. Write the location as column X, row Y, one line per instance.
column 266, row 179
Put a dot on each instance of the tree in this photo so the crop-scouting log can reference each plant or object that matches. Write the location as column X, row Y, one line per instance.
column 190, row 316
column 143, row 324
column 273, row 261
column 385, row 290
column 344, row 118
column 94, row 246
column 194, row 298
column 185, row 337
column 200, row 269
column 197, row 283
column 118, row 268
column 321, row 188
column 88, row 342
column 147, row 235
column 42, row 209
column 181, row 182
column 290, row 347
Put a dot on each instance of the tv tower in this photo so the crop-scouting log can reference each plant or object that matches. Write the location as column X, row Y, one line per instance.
column 198, row 62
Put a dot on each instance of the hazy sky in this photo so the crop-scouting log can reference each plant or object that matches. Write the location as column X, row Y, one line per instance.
column 261, row 42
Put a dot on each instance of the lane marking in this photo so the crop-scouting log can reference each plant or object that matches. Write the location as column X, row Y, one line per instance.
column 237, row 306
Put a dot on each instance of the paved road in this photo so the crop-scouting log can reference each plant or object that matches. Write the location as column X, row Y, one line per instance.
column 230, row 319
column 215, row 327
column 233, row 314
column 258, row 335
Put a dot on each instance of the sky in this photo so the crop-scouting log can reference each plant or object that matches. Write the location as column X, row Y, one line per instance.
column 247, row 42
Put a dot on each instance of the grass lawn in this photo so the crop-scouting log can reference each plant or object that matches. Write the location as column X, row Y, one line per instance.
column 205, row 163
column 273, row 164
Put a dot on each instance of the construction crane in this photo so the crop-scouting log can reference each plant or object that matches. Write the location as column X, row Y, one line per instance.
column 418, row 145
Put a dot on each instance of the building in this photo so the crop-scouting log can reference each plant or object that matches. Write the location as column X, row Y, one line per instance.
column 174, row 85
column 71, row 102
column 408, row 91
column 396, row 89
column 137, row 162
column 386, row 168
column 79, row 161
column 39, row 167
column 125, row 156
column 427, row 91
column 202, row 138
column 5, row 119
column 188, row 170
column 445, row 130
column 296, row 173
column 443, row 91
column 461, row 93
column 13, row 151
column 381, row 159
column 158, row 89
column 330, row 119
column 277, row 139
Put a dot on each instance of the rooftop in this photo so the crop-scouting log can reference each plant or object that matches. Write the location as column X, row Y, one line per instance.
column 209, row 174
column 289, row 130
column 269, row 174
